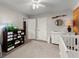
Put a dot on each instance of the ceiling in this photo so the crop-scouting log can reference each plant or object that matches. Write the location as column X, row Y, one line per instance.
column 52, row 6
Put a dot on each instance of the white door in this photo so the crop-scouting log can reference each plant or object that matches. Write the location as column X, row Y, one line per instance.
column 31, row 25
column 42, row 29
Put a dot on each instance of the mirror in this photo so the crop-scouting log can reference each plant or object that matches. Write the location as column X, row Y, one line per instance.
column 59, row 22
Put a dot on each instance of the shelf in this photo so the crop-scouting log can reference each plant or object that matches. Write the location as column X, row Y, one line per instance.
column 15, row 35
column 22, row 42
column 10, row 36
column 15, row 38
column 19, row 36
column 9, row 33
column 10, row 45
column 12, row 39
column 17, row 42
column 10, row 48
column 22, row 33
column 19, row 31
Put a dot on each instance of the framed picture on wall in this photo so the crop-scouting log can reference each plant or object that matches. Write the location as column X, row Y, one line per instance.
column 59, row 22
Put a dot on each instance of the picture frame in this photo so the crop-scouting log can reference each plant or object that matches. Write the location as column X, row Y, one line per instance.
column 59, row 22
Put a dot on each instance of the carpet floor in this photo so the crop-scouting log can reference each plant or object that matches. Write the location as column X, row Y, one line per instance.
column 35, row 49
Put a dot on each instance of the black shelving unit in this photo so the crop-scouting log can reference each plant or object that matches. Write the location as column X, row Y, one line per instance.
column 20, row 38
column 12, row 39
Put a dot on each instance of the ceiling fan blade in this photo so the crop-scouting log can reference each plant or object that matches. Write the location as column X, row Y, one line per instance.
column 39, row 1
column 41, row 5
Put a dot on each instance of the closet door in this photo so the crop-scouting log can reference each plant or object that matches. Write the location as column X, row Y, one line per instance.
column 42, row 29
column 31, row 25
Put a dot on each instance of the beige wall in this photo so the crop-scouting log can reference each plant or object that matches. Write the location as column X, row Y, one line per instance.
column 76, row 3
column 53, row 27
column 45, row 26
column 9, row 16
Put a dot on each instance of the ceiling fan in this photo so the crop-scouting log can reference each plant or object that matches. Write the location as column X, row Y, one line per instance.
column 36, row 4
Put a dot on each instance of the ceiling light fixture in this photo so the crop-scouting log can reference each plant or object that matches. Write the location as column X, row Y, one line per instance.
column 36, row 4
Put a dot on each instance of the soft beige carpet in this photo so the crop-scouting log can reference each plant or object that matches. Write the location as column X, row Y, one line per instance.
column 36, row 49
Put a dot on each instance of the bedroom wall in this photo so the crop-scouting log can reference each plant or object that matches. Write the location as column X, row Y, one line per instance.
column 9, row 16
column 53, row 27
column 45, row 25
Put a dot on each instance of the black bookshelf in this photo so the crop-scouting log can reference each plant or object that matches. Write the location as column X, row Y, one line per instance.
column 12, row 39
column 20, row 38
